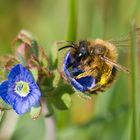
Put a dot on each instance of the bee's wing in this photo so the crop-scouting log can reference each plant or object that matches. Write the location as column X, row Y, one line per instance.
column 126, row 40
column 118, row 66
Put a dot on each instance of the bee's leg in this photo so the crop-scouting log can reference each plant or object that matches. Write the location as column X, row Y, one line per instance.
column 104, row 79
column 97, row 86
column 74, row 71
column 86, row 73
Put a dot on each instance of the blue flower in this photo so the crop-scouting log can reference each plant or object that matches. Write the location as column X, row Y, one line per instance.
column 20, row 90
column 71, row 70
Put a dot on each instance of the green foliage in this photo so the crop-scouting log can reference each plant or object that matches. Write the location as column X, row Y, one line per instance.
column 134, row 92
column 34, row 72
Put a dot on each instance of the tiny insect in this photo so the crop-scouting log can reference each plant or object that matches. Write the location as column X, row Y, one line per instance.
column 91, row 66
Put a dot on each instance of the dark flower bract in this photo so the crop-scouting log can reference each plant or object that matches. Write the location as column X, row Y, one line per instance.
column 71, row 70
column 20, row 90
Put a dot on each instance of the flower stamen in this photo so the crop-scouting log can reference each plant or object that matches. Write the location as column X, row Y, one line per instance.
column 22, row 88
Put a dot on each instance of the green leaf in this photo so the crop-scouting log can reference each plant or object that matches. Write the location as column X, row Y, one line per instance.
column 66, row 99
column 54, row 56
column 34, row 72
column 61, row 101
column 43, row 59
column 56, row 78
column 60, row 96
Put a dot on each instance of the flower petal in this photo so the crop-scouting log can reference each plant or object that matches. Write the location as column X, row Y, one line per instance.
column 34, row 96
column 3, row 91
column 8, row 96
column 71, row 70
column 21, row 106
column 83, row 84
column 33, row 99
column 19, row 72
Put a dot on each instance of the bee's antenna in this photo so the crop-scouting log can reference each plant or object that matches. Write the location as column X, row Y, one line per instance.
column 66, row 47
column 64, row 41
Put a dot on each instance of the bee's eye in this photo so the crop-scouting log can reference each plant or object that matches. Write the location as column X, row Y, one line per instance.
column 80, row 56
column 83, row 52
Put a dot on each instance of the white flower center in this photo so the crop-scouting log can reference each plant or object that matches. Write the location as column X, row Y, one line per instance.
column 22, row 88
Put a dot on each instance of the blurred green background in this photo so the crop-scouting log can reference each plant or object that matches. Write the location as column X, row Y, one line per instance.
column 107, row 115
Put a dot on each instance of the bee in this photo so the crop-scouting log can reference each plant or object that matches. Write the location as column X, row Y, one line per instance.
column 91, row 66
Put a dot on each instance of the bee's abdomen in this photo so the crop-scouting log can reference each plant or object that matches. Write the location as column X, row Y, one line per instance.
column 113, row 75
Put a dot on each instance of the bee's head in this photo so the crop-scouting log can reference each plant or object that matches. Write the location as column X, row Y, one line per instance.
column 82, row 51
column 79, row 50
column 99, row 50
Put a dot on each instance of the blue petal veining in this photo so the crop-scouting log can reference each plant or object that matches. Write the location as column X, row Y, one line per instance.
column 7, row 90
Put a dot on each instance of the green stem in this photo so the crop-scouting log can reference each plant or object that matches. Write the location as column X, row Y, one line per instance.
column 134, row 83
column 72, row 25
column 1, row 115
